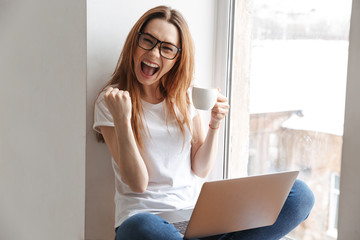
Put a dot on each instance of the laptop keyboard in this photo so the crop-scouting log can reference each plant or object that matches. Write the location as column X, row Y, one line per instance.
column 181, row 226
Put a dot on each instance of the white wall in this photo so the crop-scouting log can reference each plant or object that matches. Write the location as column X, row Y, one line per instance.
column 109, row 22
column 42, row 119
column 349, row 213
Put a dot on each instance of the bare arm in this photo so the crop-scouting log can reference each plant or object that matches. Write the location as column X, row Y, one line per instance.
column 121, row 141
column 204, row 149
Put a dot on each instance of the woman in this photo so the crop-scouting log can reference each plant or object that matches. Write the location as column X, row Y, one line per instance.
column 156, row 138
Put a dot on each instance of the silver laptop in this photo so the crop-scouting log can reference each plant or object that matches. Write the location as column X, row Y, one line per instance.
column 234, row 205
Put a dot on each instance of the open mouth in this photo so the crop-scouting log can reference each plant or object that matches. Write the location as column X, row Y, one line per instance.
column 148, row 68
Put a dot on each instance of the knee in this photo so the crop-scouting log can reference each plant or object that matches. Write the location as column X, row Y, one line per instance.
column 140, row 219
column 304, row 193
column 303, row 199
column 137, row 224
column 143, row 226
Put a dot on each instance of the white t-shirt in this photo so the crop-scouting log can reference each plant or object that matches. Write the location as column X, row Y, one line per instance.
column 172, row 184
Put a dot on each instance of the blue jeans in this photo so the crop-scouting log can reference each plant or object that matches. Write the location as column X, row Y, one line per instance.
column 146, row 226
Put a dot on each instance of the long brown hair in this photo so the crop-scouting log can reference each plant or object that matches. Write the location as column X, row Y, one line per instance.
column 173, row 85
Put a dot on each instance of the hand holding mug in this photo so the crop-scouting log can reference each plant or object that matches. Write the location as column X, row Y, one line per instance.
column 211, row 98
column 219, row 111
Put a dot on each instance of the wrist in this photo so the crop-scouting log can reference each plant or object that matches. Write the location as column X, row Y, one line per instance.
column 122, row 122
column 214, row 126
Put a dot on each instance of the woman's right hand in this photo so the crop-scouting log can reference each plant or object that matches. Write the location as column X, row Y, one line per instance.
column 121, row 141
column 118, row 103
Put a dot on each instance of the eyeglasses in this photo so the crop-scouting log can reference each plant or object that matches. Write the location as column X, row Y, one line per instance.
column 148, row 42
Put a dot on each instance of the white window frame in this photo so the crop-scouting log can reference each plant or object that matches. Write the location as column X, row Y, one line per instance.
column 221, row 72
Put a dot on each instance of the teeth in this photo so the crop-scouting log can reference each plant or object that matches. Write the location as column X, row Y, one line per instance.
column 150, row 64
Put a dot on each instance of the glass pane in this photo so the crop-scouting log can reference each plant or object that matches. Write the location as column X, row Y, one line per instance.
column 299, row 53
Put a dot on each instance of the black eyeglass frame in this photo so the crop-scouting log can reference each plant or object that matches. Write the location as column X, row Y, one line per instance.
column 157, row 41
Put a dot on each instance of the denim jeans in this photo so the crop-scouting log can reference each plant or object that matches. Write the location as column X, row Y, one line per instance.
column 146, row 226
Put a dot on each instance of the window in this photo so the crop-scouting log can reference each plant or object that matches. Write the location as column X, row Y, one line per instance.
column 287, row 97
column 334, row 204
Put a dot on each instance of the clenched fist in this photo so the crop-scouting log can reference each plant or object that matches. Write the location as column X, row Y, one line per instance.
column 118, row 103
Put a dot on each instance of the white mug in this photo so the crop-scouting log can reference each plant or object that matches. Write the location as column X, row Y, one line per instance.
column 204, row 98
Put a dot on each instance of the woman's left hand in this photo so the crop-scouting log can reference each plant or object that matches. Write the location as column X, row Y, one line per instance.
column 204, row 148
column 219, row 111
